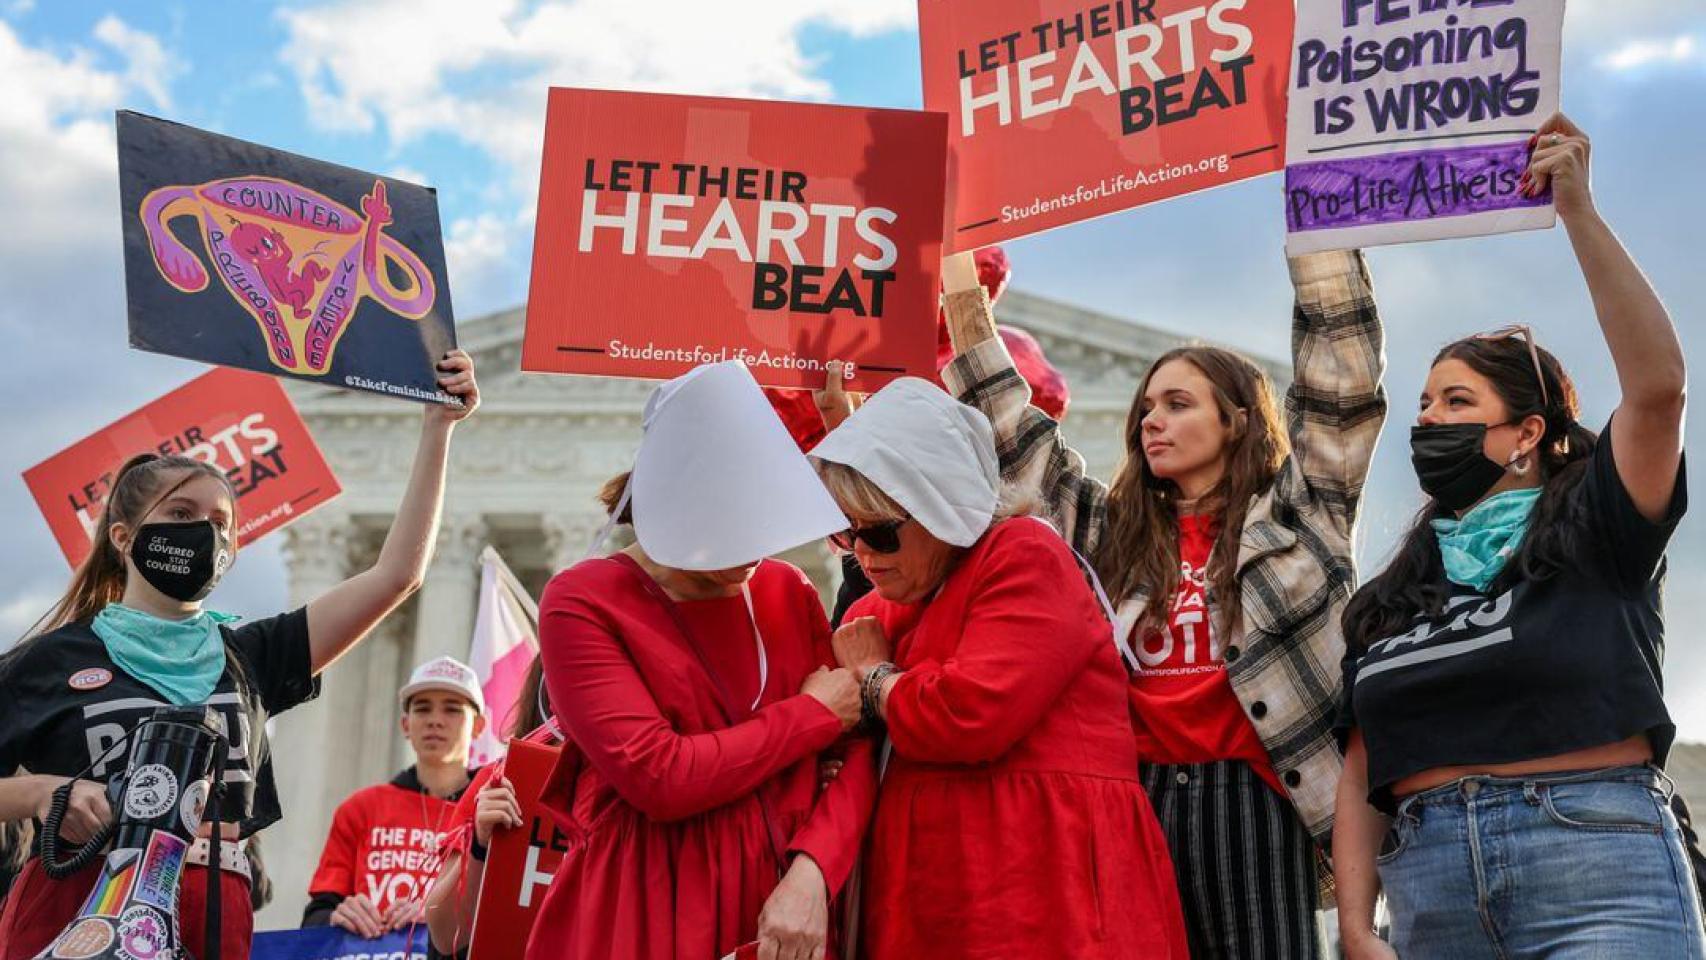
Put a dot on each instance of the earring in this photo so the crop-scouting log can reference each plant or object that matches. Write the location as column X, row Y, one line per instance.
column 1519, row 466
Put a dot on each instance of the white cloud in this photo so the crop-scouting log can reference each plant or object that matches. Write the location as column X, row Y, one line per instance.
column 57, row 163
column 488, row 258
column 1606, row 34
column 17, row 8
column 1611, row 15
column 1635, row 54
column 479, row 72
column 63, row 315
column 149, row 67
column 407, row 173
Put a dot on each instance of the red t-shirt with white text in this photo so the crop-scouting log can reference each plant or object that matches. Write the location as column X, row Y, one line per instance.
column 383, row 845
column 1181, row 698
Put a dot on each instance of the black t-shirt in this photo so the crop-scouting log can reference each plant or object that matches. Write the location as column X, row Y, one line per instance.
column 1540, row 669
column 59, row 713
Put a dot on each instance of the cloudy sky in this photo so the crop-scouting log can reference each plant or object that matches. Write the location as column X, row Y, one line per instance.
column 452, row 93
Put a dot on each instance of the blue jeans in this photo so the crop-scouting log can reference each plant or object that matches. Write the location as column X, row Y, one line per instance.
column 1576, row 866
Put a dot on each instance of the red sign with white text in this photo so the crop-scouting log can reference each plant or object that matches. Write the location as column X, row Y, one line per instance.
column 1065, row 110
column 676, row 231
column 241, row 422
column 521, row 862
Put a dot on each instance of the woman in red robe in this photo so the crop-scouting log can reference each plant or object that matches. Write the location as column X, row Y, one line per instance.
column 1010, row 821
column 695, row 684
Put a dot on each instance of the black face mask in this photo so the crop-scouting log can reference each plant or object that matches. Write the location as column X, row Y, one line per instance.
column 1451, row 463
column 181, row 560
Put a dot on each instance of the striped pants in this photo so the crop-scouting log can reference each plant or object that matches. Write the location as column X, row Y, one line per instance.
column 1245, row 862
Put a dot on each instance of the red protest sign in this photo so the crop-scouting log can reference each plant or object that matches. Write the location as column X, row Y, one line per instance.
column 1064, row 110
column 241, row 422
column 521, row 862
column 675, row 231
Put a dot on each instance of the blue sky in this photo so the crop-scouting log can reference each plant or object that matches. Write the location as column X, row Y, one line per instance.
column 451, row 93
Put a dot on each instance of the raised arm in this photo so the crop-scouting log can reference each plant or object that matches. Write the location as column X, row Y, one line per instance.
column 609, row 713
column 1033, row 452
column 339, row 618
column 1336, row 404
column 1651, row 372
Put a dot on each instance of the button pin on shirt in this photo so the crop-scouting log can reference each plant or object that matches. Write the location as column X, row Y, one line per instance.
column 93, row 678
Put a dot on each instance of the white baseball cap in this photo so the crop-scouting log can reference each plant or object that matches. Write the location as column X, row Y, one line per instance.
column 445, row 673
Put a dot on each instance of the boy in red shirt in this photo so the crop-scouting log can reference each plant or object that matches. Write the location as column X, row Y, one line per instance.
column 380, row 856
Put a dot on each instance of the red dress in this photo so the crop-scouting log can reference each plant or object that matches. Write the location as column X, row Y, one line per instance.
column 1010, row 821
column 681, row 802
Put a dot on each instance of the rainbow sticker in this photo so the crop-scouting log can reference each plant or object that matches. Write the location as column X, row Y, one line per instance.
column 113, row 888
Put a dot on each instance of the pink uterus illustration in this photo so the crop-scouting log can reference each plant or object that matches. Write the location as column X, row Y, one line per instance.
column 297, row 261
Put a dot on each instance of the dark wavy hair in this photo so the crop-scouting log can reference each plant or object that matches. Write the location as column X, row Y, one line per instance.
column 1413, row 583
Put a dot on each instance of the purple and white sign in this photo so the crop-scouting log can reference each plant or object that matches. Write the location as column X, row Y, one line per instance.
column 1409, row 119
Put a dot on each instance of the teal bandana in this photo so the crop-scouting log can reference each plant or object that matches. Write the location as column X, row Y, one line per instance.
column 181, row 659
column 1476, row 547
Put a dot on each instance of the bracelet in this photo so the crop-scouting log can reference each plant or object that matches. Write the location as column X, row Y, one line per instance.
column 476, row 849
column 871, row 691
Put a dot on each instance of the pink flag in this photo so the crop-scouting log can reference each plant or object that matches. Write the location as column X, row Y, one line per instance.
column 506, row 639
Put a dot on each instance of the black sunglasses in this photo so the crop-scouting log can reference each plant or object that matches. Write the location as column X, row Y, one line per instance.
column 881, row 537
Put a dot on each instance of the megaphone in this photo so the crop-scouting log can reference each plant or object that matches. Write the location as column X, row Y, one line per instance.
column 158, row 802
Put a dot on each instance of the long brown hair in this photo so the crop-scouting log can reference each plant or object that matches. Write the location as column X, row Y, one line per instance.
column 142, row 482
column 526, row 715
column 1139, row 550
column 1414, row 583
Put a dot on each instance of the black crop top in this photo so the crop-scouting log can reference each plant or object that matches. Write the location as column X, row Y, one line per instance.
column 1541, row 669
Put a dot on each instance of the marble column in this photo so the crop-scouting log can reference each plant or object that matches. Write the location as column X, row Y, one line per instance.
column 312, row 771
column 567, row 536
column 444, row 611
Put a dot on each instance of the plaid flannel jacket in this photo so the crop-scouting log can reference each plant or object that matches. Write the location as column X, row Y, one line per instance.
column 1296, row 566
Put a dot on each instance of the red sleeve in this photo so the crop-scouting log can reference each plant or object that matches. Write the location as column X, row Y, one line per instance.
column 464, row 811
column 607, row 710
column 337, row 869
column 975, row 705
column 835, row 831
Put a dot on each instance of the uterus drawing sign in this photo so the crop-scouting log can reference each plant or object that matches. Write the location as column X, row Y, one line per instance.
column 297, row 261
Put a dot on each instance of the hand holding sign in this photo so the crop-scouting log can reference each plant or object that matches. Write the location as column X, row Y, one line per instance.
column 359, row 916
column 455, row 373
column 404, row 913
column 1560, row 163
column 496, row 808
